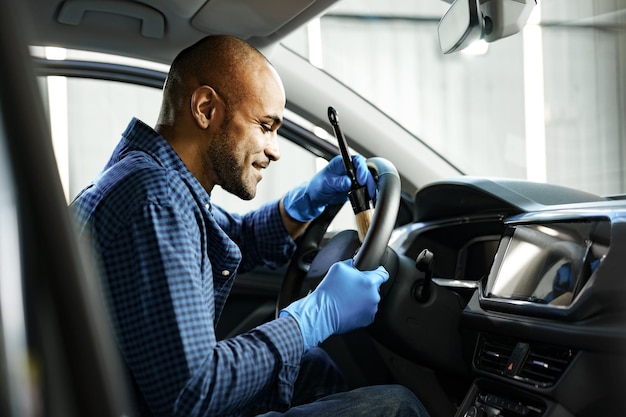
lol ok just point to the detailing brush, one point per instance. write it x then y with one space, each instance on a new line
359 198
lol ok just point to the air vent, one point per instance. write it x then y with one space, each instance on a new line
544 365
532 363
493 353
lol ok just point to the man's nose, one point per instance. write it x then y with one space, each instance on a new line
272 150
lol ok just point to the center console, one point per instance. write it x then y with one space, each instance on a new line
489 399
538 321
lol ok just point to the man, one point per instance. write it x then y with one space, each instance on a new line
168 256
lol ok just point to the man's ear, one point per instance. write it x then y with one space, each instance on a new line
205 104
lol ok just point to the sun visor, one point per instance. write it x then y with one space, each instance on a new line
253 18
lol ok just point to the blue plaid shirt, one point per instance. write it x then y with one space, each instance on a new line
168 259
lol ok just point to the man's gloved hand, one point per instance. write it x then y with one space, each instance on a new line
329 186
345 300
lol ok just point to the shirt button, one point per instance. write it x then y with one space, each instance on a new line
206 206
225 273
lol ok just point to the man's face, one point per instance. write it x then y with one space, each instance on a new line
247 139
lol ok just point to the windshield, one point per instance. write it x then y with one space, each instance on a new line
545 104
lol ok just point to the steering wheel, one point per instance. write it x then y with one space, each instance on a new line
312 260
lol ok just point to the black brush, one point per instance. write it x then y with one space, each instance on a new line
358 195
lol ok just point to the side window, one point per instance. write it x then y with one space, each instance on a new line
87 118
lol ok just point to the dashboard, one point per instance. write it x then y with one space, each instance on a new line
538 272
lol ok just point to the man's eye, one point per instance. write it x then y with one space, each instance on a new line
266 127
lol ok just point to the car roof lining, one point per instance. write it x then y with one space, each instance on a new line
156 30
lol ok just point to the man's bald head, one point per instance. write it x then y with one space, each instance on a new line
221 61
223 103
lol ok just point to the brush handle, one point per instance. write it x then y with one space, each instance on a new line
333 117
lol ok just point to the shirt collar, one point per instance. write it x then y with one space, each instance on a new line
141 137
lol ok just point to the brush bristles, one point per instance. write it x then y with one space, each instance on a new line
363 220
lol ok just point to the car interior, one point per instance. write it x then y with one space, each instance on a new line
502 223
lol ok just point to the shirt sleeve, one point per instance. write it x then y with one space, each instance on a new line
160 288
260 234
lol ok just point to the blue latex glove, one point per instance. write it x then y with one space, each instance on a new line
329 186
345 300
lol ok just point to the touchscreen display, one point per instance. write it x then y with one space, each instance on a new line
547 263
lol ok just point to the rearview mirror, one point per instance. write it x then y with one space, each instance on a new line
467 21
460 26
502 18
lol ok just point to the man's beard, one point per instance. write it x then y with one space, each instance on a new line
229 173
